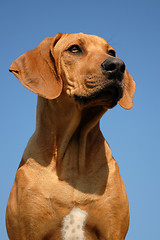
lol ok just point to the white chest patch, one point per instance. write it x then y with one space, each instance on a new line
73 225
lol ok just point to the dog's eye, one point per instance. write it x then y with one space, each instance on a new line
112 53
75 49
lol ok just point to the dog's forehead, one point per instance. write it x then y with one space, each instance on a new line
89 41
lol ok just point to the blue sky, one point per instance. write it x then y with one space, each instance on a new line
133 29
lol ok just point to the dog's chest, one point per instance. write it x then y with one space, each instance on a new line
44 201
47 199
45 188
76 189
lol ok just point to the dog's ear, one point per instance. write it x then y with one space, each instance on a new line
127 100
36 69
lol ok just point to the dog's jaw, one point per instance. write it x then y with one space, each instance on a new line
107 97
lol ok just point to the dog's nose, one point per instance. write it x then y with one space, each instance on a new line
114 67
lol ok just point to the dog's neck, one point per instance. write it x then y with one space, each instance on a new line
61 128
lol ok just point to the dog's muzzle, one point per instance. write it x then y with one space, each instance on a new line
114 69
111 90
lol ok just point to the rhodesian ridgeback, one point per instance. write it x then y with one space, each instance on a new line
68 185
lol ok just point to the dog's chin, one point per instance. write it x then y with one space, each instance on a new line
107 97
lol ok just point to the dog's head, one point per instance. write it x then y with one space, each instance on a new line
84 67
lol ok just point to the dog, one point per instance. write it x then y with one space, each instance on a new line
68 185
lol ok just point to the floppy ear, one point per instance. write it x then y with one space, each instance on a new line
127 100
36 70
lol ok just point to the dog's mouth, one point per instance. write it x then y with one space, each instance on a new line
114 93
108 97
